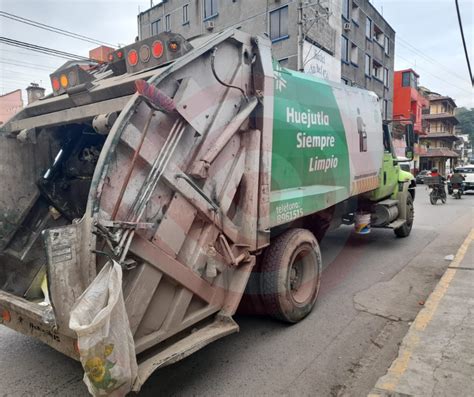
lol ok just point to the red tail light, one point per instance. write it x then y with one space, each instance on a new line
132 57
157 49
6 316
55 83
120 54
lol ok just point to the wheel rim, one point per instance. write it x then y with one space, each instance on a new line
302 276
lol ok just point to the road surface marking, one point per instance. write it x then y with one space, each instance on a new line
400 365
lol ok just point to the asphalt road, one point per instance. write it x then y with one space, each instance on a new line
372 288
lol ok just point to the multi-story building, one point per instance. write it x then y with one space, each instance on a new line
345 40
277 18
440 140
408 105
408 102
368 51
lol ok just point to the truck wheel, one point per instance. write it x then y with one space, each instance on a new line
405 230
291 275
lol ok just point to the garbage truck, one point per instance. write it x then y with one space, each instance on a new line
187 166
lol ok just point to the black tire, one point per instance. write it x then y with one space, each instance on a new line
291 275
405 230
433 198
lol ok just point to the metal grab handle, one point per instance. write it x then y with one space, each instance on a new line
214 206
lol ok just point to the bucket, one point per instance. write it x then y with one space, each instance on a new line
362 223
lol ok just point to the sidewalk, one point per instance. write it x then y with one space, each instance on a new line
436 357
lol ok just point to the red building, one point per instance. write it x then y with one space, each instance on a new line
408 102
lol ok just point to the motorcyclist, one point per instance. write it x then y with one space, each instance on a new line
440 186
456 180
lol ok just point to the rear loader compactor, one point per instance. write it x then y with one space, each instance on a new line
191 165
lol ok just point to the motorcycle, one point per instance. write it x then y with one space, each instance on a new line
438 192
457 190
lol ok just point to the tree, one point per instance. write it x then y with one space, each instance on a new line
466 121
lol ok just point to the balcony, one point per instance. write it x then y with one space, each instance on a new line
441 116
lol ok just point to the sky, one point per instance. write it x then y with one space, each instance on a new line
427 38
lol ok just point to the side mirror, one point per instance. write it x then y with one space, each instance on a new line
411 139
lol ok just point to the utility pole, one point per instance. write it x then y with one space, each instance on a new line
300 36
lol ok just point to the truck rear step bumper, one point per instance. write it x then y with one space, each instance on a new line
31 319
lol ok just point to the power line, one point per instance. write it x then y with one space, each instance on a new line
18 74
53 29
44 50
13 62
464 42
436 77
16 51
417 51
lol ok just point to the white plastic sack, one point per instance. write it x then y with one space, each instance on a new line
106 346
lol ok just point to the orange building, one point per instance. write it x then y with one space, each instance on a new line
101 53
408 102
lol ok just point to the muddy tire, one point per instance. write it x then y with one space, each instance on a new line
291 275
405 230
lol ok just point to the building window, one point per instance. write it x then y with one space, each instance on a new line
377 70
210 9
344 49
156 27
409 80
367 65
406 79
385 77
386 45
354 54
345 9
378 35
355 13
167 23
185 14
368 28
279 24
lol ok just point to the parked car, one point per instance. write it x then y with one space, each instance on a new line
421 175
